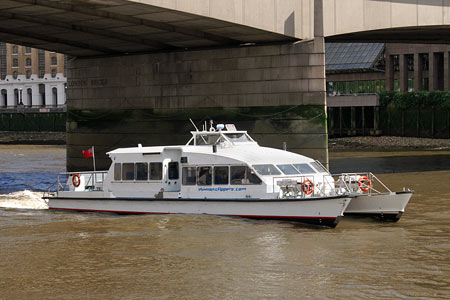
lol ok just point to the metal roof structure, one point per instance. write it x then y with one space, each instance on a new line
352 57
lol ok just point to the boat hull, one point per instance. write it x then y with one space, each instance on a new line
324 211
388 207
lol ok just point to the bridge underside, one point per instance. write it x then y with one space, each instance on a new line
139 72
414 35
97 28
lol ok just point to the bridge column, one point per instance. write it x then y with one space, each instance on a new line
276 92
433 72
389 73
446 71
418 72
403 73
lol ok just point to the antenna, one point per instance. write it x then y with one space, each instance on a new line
193 124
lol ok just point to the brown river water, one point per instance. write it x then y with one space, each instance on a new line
57 255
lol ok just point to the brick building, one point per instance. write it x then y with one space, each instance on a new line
31 77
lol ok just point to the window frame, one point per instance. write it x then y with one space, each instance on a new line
119 169
124 169
228 175
136 171
152 170
244 180
184 176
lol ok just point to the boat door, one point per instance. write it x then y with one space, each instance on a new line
172 178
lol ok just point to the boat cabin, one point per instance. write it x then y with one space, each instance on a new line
213 164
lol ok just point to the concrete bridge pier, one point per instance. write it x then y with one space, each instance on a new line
276 92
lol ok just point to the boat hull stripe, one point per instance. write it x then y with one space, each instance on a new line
165 213
200 199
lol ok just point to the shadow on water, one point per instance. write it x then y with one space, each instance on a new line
390 164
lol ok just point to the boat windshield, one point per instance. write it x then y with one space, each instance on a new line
318 166
238 137
266 169
304 169
288 169
208 139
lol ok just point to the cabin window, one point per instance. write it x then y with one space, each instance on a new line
318 166
238 137
266 169
117 171
128 171
204 176
141 171
220 175
304 169
173 170
155 171
243 175
207 139
189 175
288 169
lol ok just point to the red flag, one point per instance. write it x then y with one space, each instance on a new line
88 153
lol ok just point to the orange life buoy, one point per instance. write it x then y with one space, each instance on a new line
364 183
307 187
76 180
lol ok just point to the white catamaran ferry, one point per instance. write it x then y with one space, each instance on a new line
220 171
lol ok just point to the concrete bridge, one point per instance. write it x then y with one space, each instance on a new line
141 69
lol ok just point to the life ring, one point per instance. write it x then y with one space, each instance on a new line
364 183
307 187
76 180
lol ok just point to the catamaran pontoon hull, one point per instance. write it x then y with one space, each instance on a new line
324 211
385 206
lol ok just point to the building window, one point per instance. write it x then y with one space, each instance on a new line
53 73
396 59
15 62
15 74
27 50
41 63
410 61
28 62
28 74
2 61
54 61
355 87
15 49
65 65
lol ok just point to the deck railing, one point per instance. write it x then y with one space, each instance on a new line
360 183
93 181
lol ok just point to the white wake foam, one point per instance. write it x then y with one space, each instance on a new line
23 199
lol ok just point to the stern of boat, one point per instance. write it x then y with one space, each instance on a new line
371 197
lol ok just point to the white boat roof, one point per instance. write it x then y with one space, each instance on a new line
251 154
248 152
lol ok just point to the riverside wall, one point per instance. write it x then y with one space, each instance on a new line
276 92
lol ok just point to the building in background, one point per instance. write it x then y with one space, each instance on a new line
31 77
362 68
356 73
